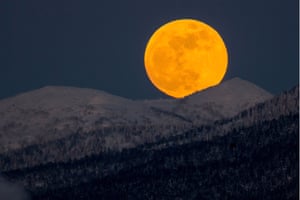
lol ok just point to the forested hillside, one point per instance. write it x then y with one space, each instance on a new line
253 155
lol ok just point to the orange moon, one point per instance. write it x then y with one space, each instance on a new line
185 56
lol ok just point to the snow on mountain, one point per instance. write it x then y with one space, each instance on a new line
222 101
51 113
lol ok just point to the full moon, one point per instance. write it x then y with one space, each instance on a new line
185 56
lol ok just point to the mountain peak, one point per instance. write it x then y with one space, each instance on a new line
57 96
232 91
222 101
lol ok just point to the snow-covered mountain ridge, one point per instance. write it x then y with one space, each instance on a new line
51 112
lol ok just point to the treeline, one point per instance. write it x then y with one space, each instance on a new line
258 162
82 144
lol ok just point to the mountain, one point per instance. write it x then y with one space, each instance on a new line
247 148
53 113
223 101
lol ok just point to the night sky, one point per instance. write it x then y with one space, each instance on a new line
100 44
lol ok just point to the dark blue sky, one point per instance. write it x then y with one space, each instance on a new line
100 44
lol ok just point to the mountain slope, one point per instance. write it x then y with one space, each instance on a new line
260 165
223 101
257 161
53 113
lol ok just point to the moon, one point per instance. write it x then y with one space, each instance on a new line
185 56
